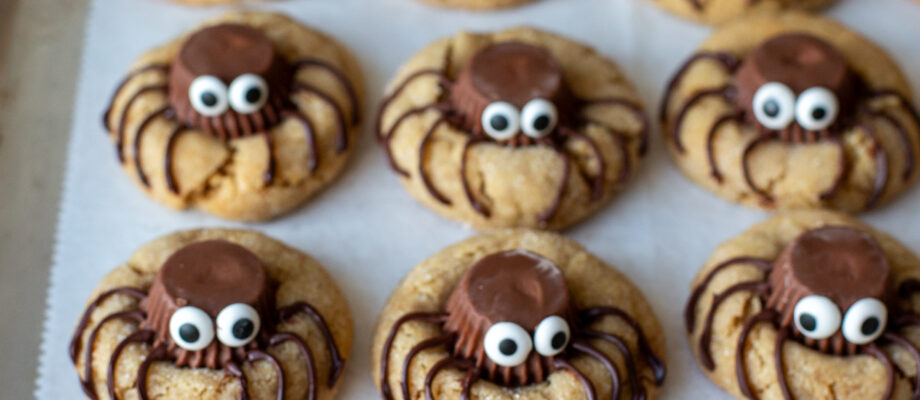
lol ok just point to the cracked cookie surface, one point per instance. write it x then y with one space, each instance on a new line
508 183
226 177
299 278
721 11
789 172
591 283
809 373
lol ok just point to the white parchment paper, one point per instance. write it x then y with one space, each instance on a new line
365 229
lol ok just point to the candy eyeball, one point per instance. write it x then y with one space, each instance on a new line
774 105
237 325
539 118
208 96
507 344
816 317
248 93
501 120
551 336
865 321
816 109
191 328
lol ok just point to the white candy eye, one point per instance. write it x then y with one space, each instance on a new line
237 325
501 120
816 108
538 118
865 321
551 336
816 317
774 105
248 93
507 344
191 328
208 95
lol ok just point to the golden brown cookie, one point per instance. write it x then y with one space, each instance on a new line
517 314
810 303
203 313
793 111
520 128
245 117
478 4
721 11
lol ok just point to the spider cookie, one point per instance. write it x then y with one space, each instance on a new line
520 128
793 111
808 305
477 4
720 11
245 117
517 314
214 314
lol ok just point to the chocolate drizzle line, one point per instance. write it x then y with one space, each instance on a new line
468 317
489 77
178 283
108 111
280 338
119 142
813 263
196 56
828 68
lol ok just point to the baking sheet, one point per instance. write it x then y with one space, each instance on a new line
365 229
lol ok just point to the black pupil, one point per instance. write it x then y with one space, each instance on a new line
507 347
558 340
253 95
541 123
209 99
808 322
771 108
870 326
499 122
189 333
243 328
818 113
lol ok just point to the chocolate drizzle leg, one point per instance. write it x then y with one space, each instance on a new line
830 267
764 87
522 76
229 81
185 295
509 291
